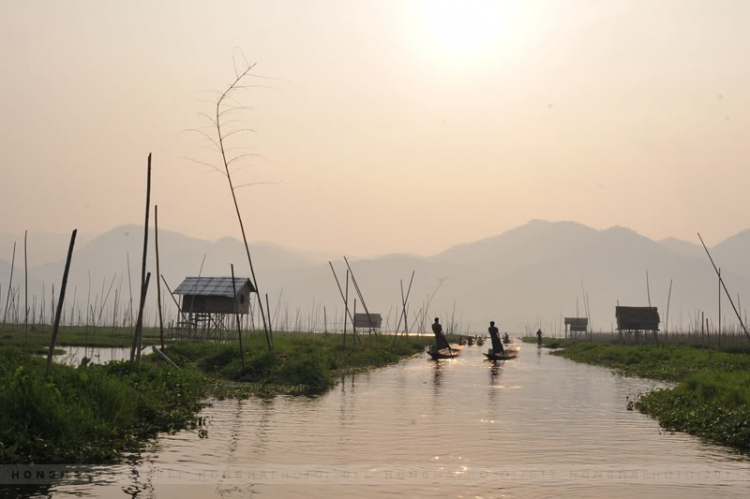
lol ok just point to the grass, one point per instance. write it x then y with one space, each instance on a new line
549 342
94 413
39 336
90 413
711 400
306 363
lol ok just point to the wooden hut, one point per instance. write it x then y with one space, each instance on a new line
208 300
634 320
361 321
575 325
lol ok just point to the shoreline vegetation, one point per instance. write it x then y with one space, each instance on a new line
712 396
93 413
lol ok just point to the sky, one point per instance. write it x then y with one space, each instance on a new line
378 126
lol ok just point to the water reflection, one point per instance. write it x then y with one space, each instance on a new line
537 412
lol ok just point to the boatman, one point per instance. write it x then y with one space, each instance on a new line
497 345
440 341
539 337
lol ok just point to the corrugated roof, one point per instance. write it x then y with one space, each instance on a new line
212 286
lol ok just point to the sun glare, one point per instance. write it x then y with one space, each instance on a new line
459 31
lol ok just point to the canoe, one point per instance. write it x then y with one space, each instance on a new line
508 353
445 353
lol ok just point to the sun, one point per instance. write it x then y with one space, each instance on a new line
458 31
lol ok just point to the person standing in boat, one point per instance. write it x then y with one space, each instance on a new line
497 345
539 337
441 341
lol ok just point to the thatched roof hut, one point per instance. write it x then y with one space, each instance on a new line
637 318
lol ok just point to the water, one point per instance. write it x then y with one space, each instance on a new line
96 355
536 426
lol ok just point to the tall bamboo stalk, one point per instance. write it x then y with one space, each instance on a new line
135 352
158 273
56 325
237 318
10 283
25 289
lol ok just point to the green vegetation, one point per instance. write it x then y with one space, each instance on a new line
712 399
93 413
303 363
39 336
549 342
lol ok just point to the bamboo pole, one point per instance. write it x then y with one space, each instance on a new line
725 287
10 283
56 325
135 350
158 273
341 292
237 318
164 356
361 298
270 327
346 306
26 289
139 328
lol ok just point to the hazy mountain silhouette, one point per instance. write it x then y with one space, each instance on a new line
531 274
683 248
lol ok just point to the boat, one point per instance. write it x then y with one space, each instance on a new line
480 341
471 341
508 353
445 353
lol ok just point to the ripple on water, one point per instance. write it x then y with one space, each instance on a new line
535 414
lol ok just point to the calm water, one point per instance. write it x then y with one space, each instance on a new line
536 426
97 355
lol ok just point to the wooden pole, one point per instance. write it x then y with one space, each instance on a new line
10 283
719 305
361 298
237 318
341 292
669 298
346 306
139 329
158 273
26 288
135 350
747 333
270 327
60 302
164 356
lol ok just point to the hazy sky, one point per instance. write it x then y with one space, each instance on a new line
390 126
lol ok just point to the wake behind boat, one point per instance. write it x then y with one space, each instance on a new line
444 353
505 354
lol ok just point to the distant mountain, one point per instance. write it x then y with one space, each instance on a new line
734 253
42 247
684 248
534 274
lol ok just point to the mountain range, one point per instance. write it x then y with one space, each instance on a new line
531 275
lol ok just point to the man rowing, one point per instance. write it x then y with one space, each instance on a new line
497 345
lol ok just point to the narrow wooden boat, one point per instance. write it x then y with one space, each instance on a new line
471 341
480 341
508 353
445 353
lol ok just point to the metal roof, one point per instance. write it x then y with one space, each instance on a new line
212 286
